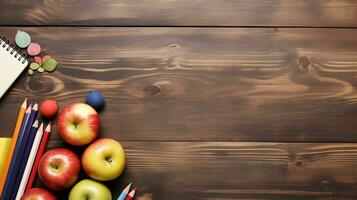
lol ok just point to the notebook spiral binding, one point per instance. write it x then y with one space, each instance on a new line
8 46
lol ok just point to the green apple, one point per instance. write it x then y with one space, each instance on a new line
90 190
104 159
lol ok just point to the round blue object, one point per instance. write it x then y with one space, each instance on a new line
95 99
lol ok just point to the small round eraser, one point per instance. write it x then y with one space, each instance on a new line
95 99
48 108
34 49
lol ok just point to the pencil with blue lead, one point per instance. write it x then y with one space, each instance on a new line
25 157
30 162
124 193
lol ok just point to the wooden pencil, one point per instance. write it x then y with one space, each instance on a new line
18 143
39 154
15 135
30 162
25 156
17 158
124 192
131 195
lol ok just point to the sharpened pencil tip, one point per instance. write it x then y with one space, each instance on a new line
35 107
48 127
29 109
40 129
35 124
132 193
127 188
24 104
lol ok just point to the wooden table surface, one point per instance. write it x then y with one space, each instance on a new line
212 99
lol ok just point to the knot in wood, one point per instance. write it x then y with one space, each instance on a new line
304 62
153 90
299 163
325 183
35 85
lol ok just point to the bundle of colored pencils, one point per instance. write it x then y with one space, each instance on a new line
126 195
27 146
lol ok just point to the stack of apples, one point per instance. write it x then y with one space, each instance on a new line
102 160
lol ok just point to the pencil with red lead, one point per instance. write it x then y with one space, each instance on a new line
124 192
40 152
131 195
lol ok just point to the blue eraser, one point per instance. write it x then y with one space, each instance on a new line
95 99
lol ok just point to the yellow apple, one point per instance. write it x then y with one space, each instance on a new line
104 159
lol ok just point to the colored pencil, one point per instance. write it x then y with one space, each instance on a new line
25 156
30 162
15 135
41 150
18 155
131 195
11 172
124 192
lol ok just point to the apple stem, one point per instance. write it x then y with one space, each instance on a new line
87 197
54 165
108 159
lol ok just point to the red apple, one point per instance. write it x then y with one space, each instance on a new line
38 194
59 168
78 124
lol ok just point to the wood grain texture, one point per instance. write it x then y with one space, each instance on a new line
188 84
238 170
317 13
206 113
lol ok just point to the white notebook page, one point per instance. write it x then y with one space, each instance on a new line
10 67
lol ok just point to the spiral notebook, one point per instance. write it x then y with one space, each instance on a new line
12 63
